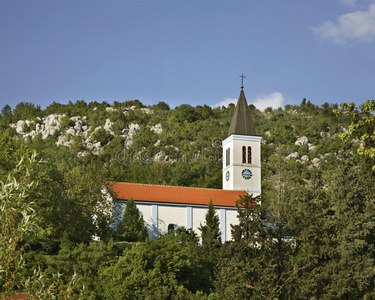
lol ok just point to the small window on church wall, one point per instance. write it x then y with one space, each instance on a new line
244 155
249 155
228 157
171 227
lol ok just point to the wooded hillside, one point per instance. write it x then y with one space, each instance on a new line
312 237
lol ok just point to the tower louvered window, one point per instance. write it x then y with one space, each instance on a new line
227 157
246 155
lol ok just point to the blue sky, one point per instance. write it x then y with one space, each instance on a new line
187 51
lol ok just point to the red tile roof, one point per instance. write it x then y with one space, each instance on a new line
175 194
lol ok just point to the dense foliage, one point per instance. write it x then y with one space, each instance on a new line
311 236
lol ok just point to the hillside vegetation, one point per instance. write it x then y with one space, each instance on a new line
312 237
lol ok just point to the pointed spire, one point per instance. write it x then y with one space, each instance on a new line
242 124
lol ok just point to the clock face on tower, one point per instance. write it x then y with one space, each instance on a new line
246 174
227 175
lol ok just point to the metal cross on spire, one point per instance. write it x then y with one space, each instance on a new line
242 77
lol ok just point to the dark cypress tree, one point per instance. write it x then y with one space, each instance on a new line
250 230
132 226
210 232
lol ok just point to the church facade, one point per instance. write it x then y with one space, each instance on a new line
166 207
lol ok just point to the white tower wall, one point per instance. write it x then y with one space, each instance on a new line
235 168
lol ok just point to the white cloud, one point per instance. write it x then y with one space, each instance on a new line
356 26
226 102
274 100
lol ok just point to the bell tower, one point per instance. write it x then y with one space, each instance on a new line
241 152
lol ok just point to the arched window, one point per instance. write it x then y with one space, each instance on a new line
249 155
244 155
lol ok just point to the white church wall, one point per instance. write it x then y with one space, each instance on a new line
199 215
231 218
170 215
158 216
145 210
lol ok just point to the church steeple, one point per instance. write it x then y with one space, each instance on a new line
241 152
242 124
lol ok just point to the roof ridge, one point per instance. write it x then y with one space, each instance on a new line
176 186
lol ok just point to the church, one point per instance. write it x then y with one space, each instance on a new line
166 207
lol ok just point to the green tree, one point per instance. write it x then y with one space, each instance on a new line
169 267
352 194
185 113
26 111
210 232
87 212
6 112
250 231
132 226
102 136
17 222
337 235
362 126
241 270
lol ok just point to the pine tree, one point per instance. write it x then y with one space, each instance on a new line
249 231
132 226
211 235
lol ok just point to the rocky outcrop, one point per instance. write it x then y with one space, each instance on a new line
46 127
293 155
302 141
156 128
50 126
133 129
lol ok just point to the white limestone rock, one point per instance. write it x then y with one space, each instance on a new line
305 158
62 140
78 126
315 163
89 145
293 155
158 143
97 148
75 118
156 128
107 126
50 126
146 110
19 126
71 131
160 156
52 120
311 147
128 142
324 134
82 153
301 141
133 128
